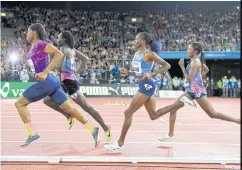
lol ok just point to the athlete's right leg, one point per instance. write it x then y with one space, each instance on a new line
179 103
150 106
34 93
21 105
172 121
60 98
208 108
136 103
80 99
50 103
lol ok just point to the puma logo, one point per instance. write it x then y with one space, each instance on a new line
112 89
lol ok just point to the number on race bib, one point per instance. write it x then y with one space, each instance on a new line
136 66
148 87
197 94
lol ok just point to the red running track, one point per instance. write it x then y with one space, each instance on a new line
196 134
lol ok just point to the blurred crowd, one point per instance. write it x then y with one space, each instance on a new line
107 40
223 87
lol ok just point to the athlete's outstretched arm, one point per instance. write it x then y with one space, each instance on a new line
83 58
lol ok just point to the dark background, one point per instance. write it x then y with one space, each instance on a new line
130 5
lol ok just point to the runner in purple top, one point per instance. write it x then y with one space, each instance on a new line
46 84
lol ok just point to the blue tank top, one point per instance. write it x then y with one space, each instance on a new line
139 66
69 67
196 85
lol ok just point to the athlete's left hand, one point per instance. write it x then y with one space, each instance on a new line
181 62
147 76
41 76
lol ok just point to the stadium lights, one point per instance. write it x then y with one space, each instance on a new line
13 57
238 7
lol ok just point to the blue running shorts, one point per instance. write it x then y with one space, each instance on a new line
48 87
147 87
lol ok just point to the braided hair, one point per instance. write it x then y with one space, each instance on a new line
200 50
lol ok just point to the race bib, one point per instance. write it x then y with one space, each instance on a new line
136 67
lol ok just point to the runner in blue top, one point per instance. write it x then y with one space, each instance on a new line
195 90
46 83
142 68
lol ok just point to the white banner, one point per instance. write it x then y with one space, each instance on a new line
111 90
170 94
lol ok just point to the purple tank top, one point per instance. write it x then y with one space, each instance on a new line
38 60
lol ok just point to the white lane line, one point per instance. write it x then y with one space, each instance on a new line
123 159
138 142
132 131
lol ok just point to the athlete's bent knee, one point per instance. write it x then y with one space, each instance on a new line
46 101
213 115
127 114
152 115
172 117
152 118
19 104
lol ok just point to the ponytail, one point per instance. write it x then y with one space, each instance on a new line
200 50
202 58
43 36
154 46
